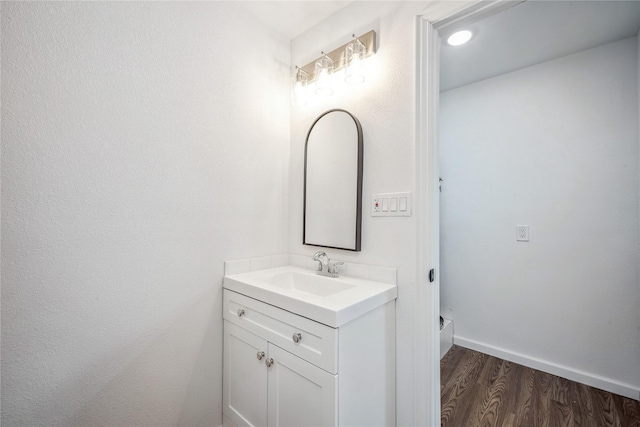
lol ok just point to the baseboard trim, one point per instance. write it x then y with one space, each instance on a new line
597 381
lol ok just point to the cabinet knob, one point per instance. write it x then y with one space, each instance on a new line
240 312
297 337
260 355
268 362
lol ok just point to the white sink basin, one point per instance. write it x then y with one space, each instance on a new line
328 300
313 285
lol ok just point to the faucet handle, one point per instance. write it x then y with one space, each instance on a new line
333 267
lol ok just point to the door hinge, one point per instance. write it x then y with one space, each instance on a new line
432 275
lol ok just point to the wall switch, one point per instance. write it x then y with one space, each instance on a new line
403 204
391 204
522 233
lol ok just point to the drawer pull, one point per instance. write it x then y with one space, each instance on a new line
297 337
268 362
260 355
240 312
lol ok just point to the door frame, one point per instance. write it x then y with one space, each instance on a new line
438 18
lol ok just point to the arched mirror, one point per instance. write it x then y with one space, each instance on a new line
333 158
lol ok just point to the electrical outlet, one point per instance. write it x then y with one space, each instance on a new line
522 233
376 204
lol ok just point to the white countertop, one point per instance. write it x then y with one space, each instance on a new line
359 297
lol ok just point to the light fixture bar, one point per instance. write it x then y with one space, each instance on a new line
337 55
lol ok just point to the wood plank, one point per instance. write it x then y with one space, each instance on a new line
488 412
560 414
581 404
510 420
450 363
541 399
560 390
457 395
523 383
605 413
509 371
628 410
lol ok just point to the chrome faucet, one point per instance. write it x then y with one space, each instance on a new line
325 266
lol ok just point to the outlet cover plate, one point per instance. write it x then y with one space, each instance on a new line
522 233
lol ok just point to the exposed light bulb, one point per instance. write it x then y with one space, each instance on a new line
355 74
323 69
323 85
355 52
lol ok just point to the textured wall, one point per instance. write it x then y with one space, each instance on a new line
140 149
554 146
385 106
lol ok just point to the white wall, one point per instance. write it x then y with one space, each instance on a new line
385 106
555 147
140 149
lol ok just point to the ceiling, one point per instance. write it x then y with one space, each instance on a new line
534 32
291 18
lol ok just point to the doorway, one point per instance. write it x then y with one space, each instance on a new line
596 158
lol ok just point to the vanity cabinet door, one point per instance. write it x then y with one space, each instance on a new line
300 394
245 377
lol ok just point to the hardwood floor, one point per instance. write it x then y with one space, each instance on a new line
482 390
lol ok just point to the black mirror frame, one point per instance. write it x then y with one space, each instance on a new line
358 236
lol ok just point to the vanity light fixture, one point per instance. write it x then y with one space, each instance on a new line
324 67
354 56
349 56
460 37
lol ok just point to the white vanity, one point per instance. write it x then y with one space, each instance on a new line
305 350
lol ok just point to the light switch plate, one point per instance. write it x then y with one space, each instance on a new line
391 204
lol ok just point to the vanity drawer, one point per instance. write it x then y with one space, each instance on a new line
318 343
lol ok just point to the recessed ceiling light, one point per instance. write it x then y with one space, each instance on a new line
461 37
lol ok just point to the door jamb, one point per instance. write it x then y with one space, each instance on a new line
439 17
